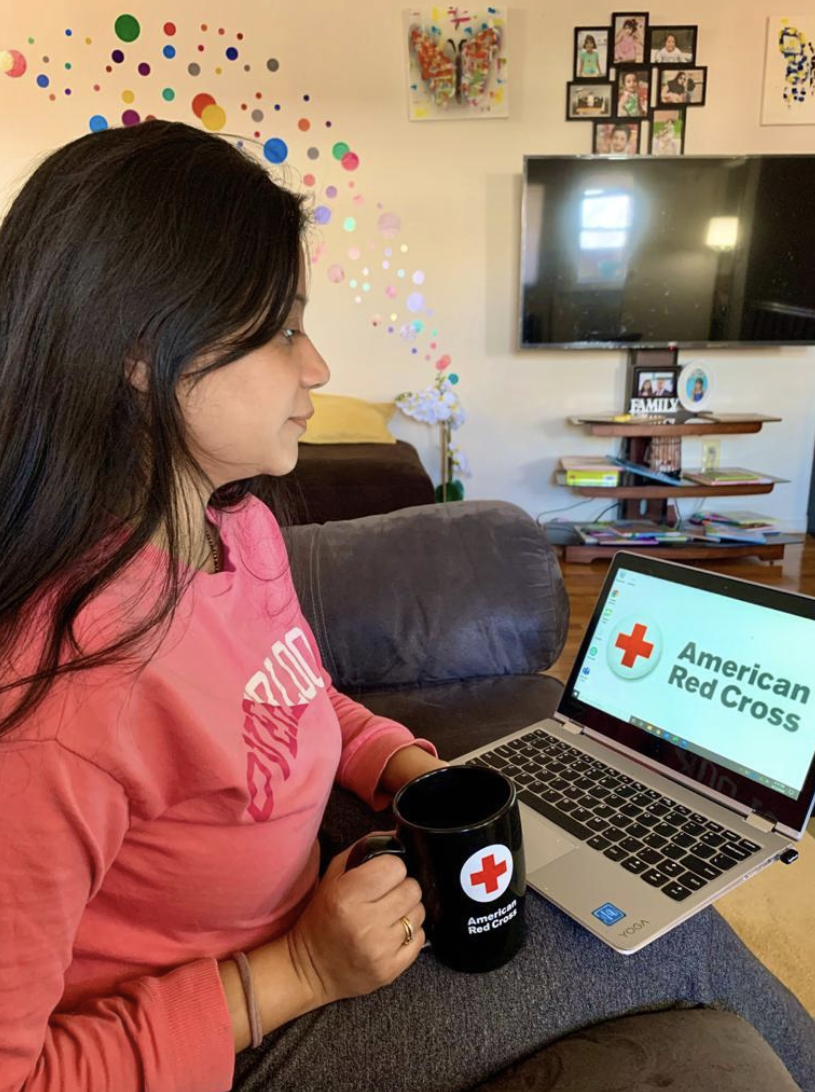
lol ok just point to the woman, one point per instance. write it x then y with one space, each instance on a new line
169 735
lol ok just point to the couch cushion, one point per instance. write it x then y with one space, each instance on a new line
462 715
430 594
684 1050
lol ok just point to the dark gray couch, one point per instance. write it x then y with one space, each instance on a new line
444 617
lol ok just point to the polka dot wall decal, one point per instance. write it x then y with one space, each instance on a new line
232 54
272 64
336 274
127 28
376 320
275 150
306 98
386 264
418 277
304 125
452 377
389 225
257 115
349 223
359 199
353 253
391 291
200 103
309 179
169 52
403 248
415 302
128 96
130 117
168 94
400 272
117 56
352 284
194 69
169 29
313 153
13 63
339 149
144 69
68 33
42 81
218 71
213 118
350 161
97 123
331 191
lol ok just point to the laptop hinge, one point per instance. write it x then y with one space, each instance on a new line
570 726
766 826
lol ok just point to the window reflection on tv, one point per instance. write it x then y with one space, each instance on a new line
648 252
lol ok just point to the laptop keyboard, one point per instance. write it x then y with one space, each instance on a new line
666 844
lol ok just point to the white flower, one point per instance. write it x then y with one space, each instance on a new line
436 404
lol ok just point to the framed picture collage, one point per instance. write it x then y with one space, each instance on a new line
630 74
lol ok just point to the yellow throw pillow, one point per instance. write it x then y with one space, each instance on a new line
339 419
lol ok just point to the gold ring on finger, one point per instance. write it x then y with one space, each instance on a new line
408 931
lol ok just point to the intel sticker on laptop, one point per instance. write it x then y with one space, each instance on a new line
608 913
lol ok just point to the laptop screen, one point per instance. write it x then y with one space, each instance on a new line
711 676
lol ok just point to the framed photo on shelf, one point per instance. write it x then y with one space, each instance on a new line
695 387
672 44
587 101
629 31
667 132
632 97
591 53
653 382
617 138
682 85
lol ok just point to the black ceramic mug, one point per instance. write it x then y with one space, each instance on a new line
458 830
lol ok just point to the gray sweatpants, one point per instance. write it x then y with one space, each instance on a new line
435 1030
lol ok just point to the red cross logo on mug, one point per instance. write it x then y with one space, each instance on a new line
487 873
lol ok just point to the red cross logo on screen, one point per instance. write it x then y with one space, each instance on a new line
487 873
633 645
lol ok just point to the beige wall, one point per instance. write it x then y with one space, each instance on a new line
456 187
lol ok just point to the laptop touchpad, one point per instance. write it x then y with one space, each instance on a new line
542 843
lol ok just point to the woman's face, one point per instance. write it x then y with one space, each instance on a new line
247 418
670 42
630 81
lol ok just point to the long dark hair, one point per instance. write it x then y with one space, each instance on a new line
155 243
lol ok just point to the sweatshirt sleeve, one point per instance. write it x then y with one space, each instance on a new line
368 743
63 820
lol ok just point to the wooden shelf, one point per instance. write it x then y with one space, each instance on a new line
666 492
722 425
585 554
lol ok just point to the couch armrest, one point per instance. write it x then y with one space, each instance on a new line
429 594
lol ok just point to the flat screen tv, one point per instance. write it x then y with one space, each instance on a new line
650 252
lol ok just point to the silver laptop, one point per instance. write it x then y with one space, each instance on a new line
681 759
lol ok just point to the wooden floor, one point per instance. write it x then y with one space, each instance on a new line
583 582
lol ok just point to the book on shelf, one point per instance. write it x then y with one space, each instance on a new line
647 472
739 519
624 532
582 470
730 475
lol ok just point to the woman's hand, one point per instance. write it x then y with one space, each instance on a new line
350 939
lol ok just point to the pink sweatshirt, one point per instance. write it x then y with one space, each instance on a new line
164 820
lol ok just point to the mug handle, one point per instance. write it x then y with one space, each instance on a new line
374 845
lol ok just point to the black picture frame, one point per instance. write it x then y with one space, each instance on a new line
618 19
593 87
664 70
616 123
655 120
653 366
595 31
657 34
620 72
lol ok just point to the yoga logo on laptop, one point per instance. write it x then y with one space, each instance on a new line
634 647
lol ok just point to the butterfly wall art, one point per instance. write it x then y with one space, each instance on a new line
457 63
